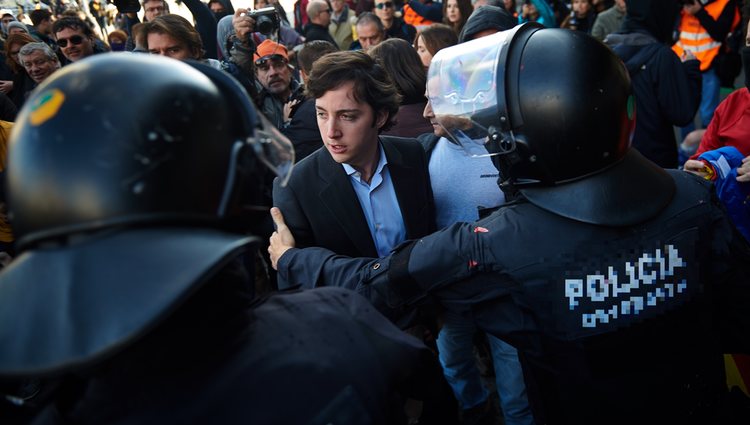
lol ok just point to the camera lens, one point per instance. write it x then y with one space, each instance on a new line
264 25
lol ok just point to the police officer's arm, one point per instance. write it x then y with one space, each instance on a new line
405 277
729 274
719 28
309 267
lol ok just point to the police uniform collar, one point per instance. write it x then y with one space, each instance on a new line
72 305
631 191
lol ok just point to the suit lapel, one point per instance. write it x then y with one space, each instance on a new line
339 198
407 189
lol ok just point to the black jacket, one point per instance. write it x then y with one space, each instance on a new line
318 32
321 208
303 131
667 93
612 324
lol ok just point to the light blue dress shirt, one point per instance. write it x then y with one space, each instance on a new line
380 205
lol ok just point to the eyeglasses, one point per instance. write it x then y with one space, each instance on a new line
155 9
386 5
276 61
75 40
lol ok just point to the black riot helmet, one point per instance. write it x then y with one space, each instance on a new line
553 109
125 139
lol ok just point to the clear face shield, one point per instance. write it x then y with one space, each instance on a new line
462 87
273 149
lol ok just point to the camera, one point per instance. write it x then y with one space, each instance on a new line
266 20
127 6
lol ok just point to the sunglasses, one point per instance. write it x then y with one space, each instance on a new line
76 40
386 5
276 61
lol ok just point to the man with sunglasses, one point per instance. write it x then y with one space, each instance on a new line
394 26
277 85
319 14
75 38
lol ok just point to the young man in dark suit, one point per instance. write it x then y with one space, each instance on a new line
363 194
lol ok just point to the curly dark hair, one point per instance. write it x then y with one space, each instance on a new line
72 23
372 84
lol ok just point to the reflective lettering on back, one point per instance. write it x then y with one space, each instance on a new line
625 291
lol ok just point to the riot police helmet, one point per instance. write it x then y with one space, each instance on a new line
120 140
553 108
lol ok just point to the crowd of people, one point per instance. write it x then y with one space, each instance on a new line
474 180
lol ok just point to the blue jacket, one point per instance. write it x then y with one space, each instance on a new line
733 194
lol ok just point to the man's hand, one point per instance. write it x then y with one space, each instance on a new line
687 56
281 240
6 86
743 173
692 8
696 167
243 24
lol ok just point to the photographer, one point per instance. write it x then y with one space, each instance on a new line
266 60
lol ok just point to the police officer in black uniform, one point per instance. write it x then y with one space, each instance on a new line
620 283
132 300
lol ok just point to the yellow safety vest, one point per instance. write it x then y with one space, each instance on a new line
694 38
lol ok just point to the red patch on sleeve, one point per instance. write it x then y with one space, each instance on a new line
480 230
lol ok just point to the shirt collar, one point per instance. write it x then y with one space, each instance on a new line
382 162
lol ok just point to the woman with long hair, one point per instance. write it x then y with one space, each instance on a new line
432 39
456 12
22 82
402 63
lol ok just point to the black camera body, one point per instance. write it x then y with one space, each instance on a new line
128 6
267 20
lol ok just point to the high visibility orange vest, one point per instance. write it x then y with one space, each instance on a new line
415 19
694 38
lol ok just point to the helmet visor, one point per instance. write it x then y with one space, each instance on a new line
273 149
462 89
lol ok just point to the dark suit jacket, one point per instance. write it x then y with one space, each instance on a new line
321 208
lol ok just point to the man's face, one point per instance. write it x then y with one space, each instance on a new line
384 10
6 20
154 8
74 44
337 5
165 45
39 66
349 129
45 27
621 5
217 7
274 75
581 7
429 115
369 35
324 18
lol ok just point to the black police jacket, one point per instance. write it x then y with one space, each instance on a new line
159 326
613 324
